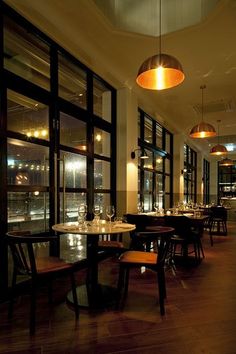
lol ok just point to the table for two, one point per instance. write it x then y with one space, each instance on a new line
92 294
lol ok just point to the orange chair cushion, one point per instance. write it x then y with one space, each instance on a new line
51 264
138 257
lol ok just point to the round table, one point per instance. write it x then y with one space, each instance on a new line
92 294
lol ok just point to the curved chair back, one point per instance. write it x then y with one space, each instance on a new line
180 223
219 212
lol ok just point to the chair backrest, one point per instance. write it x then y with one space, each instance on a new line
219 212
21 246
141 221
181 224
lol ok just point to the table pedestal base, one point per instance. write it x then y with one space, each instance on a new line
104 297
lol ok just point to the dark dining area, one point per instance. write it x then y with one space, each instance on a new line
118 176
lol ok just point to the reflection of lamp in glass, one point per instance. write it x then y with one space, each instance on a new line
226 162
143 155
98 137
161 71
203 129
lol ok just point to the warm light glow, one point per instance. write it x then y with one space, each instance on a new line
160 72
36 133
36 193
44 132
98 137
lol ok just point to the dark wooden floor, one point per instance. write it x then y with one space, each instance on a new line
200 313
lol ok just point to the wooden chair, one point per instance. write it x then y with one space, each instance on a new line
185 236
217 222
21 244
152 260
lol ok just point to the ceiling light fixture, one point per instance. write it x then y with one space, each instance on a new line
161 71
143 155
203 129
218 149
226 162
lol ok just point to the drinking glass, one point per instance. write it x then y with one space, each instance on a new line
97 210
110 212
82 212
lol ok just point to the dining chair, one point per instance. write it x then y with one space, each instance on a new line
217 222
185 235
36 269
152 260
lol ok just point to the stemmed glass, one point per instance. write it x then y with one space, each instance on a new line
156 207
110 212
82 212
97 210
140 207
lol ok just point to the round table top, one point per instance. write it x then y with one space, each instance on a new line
90 228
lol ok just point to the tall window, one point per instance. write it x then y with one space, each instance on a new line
58 133
190 174
206 181
155 173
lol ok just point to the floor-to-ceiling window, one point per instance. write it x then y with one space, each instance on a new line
58 138
190 174
206 181
155 172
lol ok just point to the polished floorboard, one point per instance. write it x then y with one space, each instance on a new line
200 312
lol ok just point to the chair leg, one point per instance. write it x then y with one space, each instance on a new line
11 302
162 290
74 293
120 286
32 308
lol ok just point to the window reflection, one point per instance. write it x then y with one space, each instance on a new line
101 100
72 202
72 82
27 164
28 211
101 142
26 55
27 116
101 174
148 130
75 170
72 132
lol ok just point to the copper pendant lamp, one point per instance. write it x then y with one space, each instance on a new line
161 71
218 150
226 162
203 129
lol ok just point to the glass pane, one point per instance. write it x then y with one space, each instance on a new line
148 130
167 184
147 205
167 166
159 163
148 181
75 170
168 147
159 200
159 142
72 82
147 163
72 202
101 100
72 132
102 199
102 171
26 55
27 116
27 164
28 211
159 183
102 144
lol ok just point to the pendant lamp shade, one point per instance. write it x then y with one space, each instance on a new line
218 150
203 129
161 71
226 162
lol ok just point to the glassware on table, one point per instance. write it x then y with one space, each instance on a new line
97 211
156 207
140 207
110 212
82 212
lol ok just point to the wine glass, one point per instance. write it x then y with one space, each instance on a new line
156 207
82 212
110 212
97 210
140 207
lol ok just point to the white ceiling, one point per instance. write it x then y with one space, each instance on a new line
200 33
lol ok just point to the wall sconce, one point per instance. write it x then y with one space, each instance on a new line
143 155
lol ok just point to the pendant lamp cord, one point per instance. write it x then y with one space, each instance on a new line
160 28
202 88
218 121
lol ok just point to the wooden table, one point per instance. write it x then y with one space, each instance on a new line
92 294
